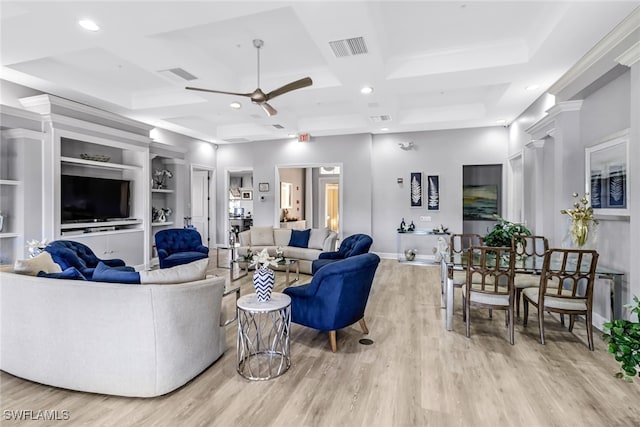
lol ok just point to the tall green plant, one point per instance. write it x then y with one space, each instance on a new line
503 231
623 337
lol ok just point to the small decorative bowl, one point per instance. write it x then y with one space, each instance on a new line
95 157
410 254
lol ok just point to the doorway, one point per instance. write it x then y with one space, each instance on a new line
202 201
329 191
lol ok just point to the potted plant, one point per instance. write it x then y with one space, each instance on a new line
623 337
503 231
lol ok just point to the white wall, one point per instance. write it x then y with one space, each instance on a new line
440 153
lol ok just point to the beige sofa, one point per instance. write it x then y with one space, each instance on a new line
258 238
110 338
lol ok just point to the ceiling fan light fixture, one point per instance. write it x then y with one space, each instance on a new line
89 25
366 90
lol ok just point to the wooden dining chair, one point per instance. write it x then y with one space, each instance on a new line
489 283
566 287
458 243
529 252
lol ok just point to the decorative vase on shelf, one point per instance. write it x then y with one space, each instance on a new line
263 280
581 233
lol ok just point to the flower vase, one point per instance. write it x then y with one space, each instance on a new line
263 280
581 234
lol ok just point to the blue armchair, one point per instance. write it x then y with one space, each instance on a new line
336 297
68 253
356 244
179 246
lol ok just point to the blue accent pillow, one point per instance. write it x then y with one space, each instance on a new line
70 273
300 238
104 273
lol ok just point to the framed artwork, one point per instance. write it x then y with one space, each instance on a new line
606 181
479 202
246 195
263 187
416 189
433 193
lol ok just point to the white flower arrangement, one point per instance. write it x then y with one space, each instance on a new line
263 259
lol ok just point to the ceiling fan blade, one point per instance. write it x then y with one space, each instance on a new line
298 84
268 109
219 91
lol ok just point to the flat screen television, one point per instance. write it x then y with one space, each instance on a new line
87 199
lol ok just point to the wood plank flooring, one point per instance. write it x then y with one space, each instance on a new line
415 374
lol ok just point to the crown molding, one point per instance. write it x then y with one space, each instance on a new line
535 143
623 30
630 56
546 126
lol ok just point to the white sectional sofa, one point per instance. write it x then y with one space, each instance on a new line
258 238
111 338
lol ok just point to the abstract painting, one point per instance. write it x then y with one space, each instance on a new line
480 202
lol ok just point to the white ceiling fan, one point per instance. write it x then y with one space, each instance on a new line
258 96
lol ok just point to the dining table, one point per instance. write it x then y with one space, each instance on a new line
524 264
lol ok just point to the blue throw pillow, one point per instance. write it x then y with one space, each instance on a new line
104 273
300 238
70 273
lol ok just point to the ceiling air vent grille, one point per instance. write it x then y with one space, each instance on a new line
381 118
349 47
278 126
178 74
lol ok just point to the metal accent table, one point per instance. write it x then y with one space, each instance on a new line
263 347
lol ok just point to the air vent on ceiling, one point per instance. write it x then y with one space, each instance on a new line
178 74
382 118
278 126
236 140
349 47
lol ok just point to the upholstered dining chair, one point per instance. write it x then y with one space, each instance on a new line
458 243
178 246
336 297
489 283
529 252
566 287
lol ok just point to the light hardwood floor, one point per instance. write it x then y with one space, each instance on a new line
415 374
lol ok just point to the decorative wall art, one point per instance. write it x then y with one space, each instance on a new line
247 195
433 193
606 166
416 189
479 202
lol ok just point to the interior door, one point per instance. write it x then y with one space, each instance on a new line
200 203
329 203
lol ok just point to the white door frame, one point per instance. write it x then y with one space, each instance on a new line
227 179
212 196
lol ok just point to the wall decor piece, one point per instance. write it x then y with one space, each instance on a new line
433 193
479 202
263 187
606 166
247 195
416 189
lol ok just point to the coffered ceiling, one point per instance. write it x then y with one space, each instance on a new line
432 65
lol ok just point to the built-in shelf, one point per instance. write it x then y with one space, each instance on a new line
71 226
160 224
8 235
159 190
9 182
94 164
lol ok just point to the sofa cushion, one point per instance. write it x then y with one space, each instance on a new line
262 236
32 266
70 273
282 236
179 274
299 238
317 238
300 253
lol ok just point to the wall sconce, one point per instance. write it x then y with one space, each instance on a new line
400 180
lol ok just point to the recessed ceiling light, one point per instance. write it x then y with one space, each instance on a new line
501 121
88 25
292 135
235 105
366 90
532 87
384 129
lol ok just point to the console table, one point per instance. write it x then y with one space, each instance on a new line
422 240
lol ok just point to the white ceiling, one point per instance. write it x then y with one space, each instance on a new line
433 65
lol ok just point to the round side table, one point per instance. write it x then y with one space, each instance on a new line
263 336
